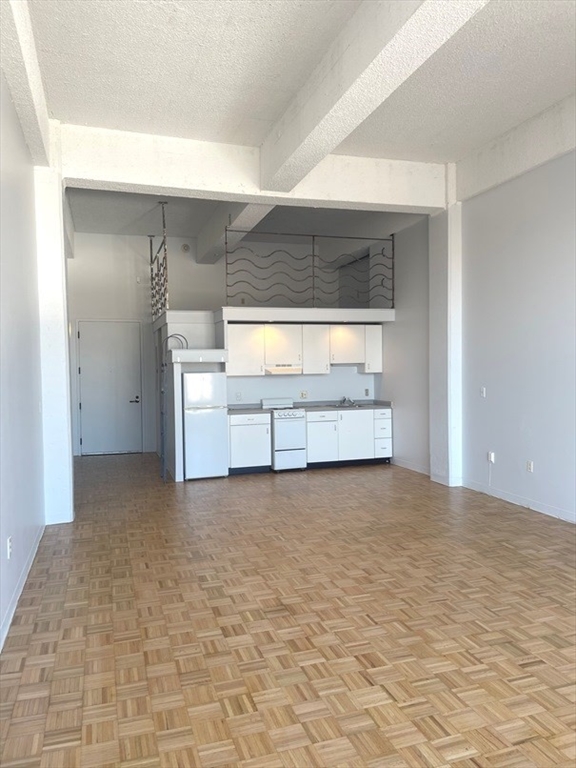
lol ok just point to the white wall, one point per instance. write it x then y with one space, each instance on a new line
21 462
519 339
342 381
405 378
194 286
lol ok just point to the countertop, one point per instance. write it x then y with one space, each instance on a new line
313 405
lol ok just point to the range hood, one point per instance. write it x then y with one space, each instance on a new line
282 370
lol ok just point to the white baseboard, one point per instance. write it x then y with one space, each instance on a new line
536 506
451 482
411 465
7 620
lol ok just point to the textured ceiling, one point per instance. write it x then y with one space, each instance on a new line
201 69
121 213
225 70
514 59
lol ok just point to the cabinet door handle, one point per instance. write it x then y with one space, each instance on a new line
367 366
335 426
267 430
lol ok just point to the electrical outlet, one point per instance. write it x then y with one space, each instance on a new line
238 397
9 547
529 466
367 392
491 457
303 394
482 391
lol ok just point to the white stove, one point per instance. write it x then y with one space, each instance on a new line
288 435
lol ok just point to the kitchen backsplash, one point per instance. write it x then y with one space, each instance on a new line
342 381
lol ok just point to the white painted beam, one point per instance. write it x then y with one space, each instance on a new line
211 243
22 72
96 158
382 45
536 141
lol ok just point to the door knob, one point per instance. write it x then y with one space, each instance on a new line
137 399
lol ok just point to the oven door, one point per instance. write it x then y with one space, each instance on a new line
289 434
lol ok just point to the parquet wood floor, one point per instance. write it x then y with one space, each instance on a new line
342 618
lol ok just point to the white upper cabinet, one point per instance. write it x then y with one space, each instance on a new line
347 344
373 348
245 350
283 344
315 349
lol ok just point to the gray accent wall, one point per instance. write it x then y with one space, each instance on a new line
405 348
21 457
519 339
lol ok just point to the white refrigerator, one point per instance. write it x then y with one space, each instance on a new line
205 425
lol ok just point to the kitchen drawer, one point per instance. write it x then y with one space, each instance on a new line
321 416
238 419
383 448
383 428
383 413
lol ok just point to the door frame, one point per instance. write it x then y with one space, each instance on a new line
76 379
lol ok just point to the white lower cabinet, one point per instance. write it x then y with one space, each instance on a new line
383 433
321 436
383 448
250 440
355 434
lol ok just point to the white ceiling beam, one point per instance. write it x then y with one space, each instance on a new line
382 45
96 158
550 134
211 241
22 72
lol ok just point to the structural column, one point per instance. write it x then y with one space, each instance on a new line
445 244
54 347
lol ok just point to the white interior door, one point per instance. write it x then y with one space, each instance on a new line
110 387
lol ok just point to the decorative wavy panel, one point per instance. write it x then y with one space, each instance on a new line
159 283
310 272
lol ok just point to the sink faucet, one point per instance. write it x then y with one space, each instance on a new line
346 401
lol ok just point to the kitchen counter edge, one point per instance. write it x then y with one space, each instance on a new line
330 405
